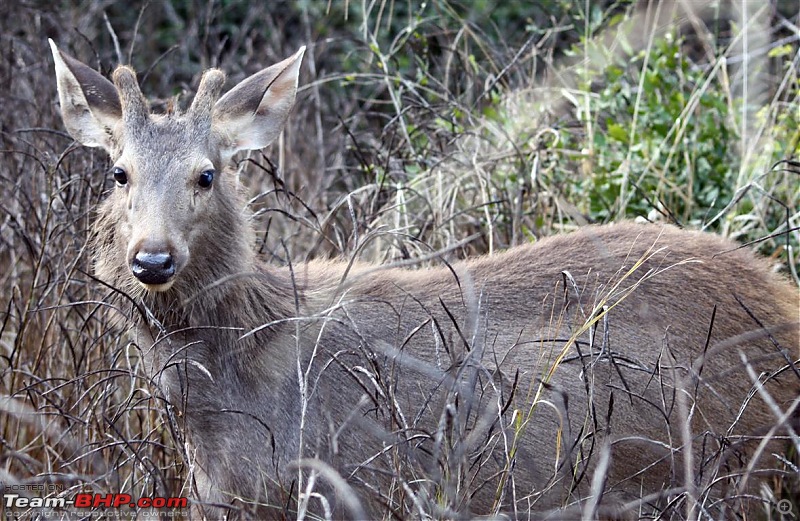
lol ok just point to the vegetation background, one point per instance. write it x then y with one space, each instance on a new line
465 126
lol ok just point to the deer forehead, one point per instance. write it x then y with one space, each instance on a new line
167 141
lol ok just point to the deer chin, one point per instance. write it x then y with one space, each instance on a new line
157 288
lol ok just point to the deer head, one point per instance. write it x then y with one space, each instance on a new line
169 168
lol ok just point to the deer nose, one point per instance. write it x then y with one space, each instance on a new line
153 268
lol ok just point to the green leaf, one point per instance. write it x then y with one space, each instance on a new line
781 50
617 132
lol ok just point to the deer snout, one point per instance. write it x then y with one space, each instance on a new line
153 268
155 263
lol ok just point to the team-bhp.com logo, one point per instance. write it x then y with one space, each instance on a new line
20 503
94 501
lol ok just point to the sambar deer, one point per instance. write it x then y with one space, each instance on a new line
566 377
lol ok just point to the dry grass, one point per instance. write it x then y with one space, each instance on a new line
485 144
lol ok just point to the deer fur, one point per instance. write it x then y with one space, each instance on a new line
569 373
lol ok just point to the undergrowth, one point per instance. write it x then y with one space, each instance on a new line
419 127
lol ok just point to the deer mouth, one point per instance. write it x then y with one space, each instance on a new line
156 288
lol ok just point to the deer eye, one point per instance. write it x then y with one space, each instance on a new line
119 176
206 178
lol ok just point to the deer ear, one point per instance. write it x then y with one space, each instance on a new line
90 105
252 114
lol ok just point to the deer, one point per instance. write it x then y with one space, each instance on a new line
603 372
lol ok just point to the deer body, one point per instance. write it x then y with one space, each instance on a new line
491 380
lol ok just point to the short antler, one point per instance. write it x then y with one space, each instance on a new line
206 97
134 105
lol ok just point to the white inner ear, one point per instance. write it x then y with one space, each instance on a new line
78 117
246 134
259 129
88 127
246 130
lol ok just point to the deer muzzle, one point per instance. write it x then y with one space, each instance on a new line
154 270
